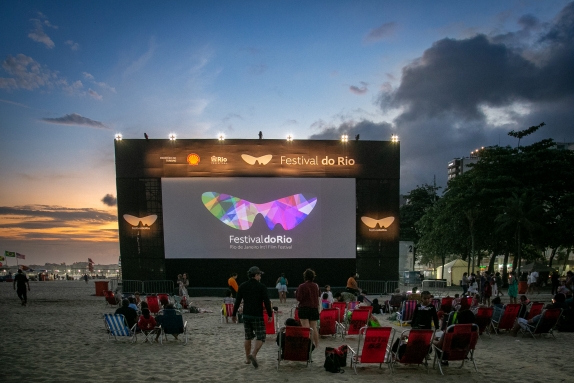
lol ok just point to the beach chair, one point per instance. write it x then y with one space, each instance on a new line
446 304
535 309
395 303
163 299
352 305
117 327
296 345
270 327
295 313
328 323
226 311
465 303
545 325
374 343
342 306
483 319
459 342
171 322
359 319
507 319
368 308
177 302
417 348
153 304
110 298
405 315
415 297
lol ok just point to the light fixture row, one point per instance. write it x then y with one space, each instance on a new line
221 137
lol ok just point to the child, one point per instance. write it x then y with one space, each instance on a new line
228 300
329 293
425 313
146 322
325 301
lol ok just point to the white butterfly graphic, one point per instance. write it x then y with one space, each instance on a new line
263 160
145 221
383 222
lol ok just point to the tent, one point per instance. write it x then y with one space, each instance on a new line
537 266
452 272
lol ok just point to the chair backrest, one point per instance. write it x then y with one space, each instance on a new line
483 318
535 309
110 297
163 299
270 327
396 300
171 322
294 312
297 345
227 309
408 310
375 341
465 303
342 306
153 304
509 316
418 345
352 305
446 304
358 320
368 308
328 321
415 297
548 321
117 324
459 340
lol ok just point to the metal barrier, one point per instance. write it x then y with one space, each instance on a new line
113 285
156 287
433 284
392 286
130 287
378 287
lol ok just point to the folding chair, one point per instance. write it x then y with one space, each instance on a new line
417 348
117 327
153 304
535 309
111 298
368 308
171 322
446 304
545 325
296 345
163 299
328 324
465 303
459 342
342 306
226 311
359 319
375 344
407 311
270 328
507 319
177 302
395 303
148 330
483 319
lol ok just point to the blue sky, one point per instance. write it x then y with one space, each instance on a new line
446 76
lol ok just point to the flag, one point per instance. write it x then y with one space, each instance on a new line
91 267
9 253
20 256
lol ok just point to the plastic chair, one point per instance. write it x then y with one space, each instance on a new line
545 325
483 319
406 313
153 304
111 298
359 319
535 309
328 324
171 322
342 306
417 348
459 342
226 311
375 344
117 327
507 319
296 345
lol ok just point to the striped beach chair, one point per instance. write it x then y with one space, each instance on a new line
116 327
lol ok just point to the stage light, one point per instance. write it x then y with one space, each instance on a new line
172 137
118 137
344 138
221 137
289 138
394 138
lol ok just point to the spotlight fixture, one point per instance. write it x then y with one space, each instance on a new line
394 138
289 138
344 138
221 137
118 137
172 137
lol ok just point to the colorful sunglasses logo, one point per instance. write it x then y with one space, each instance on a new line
145 221
240 214
263 160
383 223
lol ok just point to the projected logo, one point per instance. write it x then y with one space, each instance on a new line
145 222
263 160
240 214
378 224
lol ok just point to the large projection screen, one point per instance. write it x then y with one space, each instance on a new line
219 218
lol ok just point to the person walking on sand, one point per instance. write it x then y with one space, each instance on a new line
253 294
282 288
21 281
308 294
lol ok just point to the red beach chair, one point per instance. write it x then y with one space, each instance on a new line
359 319
270 327
297 345
416 350
546 324
153 304
483 319
465 303
342 306
459 342
508 318
375 342
163 299
446 304
328 324
535 309
110 298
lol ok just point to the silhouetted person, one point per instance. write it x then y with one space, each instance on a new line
357 137
260 135
146 136
21 280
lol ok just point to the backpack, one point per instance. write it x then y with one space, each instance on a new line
335 358
193 310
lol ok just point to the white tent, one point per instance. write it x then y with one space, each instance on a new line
452 272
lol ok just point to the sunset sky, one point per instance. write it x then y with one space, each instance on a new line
446 76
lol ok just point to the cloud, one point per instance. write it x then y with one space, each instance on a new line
38 34
27 73
102 85
381 32
138 64
14 103
94 94
109 200
359 90
77 120
73 46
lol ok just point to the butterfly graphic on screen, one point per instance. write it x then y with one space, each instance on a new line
263 160
240 214
383 222
135 221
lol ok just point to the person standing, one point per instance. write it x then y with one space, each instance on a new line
232 283
282 288
464 283
21 281
512 287
308 294
254 295
86 278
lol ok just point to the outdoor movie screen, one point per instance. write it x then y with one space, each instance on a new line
259 218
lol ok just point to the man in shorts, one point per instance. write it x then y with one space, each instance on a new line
308 297
254 295
21 281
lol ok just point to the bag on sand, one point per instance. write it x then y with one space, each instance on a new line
193 310
335 358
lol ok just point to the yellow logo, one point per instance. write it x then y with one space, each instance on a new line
193 159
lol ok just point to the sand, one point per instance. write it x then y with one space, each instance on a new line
60 337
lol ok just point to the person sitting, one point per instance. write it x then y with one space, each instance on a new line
133 304
281 337
129 313
498 309
462 317
168 311
147 322
524 302
138 299
325 301
425 313
345 297
377 309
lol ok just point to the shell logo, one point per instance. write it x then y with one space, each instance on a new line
193 159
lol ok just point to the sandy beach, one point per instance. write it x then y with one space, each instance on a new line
60 336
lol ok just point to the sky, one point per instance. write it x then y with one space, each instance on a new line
447 77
